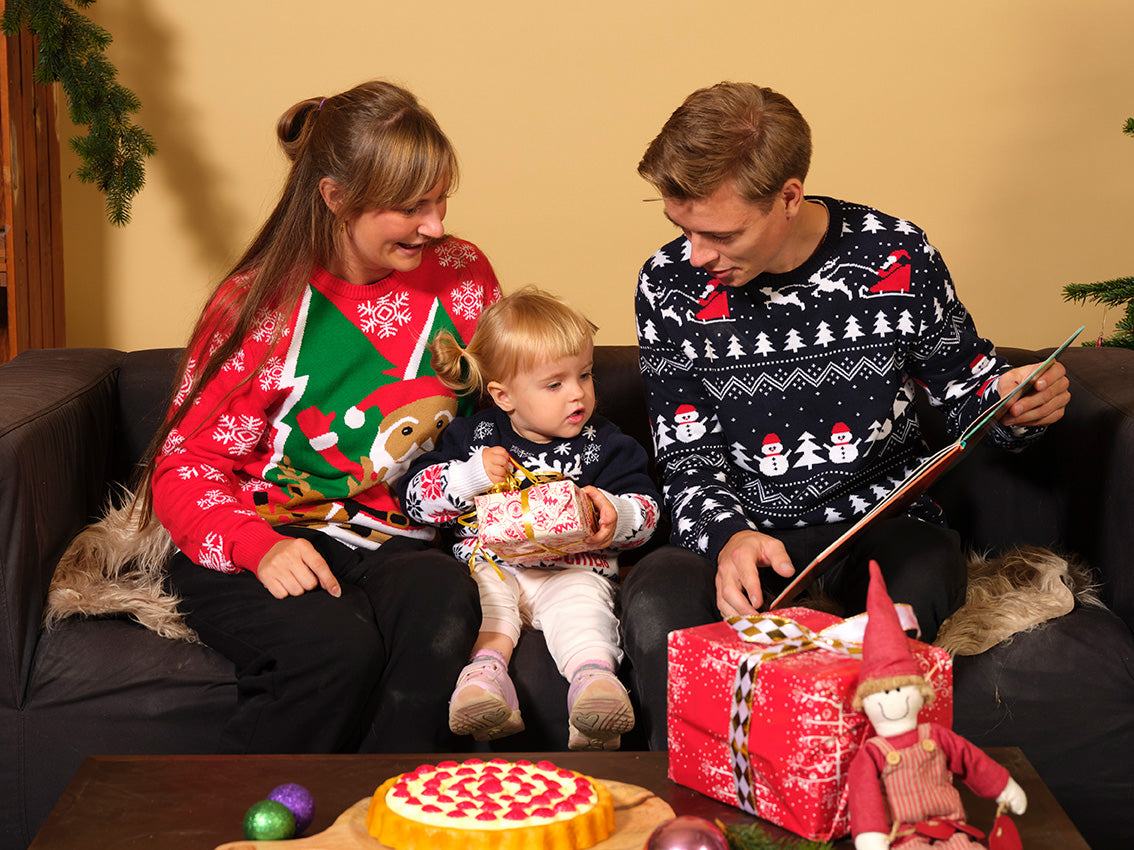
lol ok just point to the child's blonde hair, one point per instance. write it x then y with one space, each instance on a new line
516 333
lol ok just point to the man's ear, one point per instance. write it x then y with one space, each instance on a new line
792 193
499 395
332 194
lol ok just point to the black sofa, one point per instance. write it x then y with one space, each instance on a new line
74 421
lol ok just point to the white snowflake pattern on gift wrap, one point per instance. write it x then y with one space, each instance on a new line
453 254
467 299
271 375
384 316
238 434
213 498
211 554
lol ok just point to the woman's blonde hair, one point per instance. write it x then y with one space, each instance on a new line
519 331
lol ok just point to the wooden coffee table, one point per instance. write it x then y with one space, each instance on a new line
198 802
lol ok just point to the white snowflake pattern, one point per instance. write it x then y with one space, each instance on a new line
186 383
384 316
591 453
187 473
482 430
271 375
590 432
238 433
213 498
174 443
235 363
455 254
265 328
467 300
211 554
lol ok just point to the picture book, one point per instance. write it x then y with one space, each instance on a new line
917 482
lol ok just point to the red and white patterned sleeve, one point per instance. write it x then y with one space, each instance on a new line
196 479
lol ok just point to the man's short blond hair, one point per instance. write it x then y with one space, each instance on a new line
742 132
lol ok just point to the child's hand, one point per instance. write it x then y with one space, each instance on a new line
292 567
607 519
497 463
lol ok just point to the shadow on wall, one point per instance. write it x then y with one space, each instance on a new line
145 51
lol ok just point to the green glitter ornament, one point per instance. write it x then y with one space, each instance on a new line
268 820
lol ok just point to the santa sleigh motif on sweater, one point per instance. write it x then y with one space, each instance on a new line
893 277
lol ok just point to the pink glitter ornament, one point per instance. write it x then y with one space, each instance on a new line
687 833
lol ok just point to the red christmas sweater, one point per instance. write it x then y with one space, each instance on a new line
317 428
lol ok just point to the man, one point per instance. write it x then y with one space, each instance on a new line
781 336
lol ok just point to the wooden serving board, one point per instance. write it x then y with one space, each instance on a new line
637 813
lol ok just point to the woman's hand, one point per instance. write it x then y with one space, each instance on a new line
607 519
497 464
292 567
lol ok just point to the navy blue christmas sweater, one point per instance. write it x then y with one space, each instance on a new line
788 402
441 485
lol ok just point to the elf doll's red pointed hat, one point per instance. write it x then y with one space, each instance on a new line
886 658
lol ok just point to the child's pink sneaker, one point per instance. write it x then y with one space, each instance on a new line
599 709
484 702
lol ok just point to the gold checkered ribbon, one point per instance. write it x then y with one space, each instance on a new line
772 636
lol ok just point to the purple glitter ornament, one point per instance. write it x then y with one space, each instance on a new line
687 833
299 800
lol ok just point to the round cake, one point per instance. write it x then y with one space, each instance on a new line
490 805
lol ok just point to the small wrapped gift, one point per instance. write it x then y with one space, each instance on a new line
760 713
536 523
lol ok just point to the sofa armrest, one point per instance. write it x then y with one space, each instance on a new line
1071 489
56 432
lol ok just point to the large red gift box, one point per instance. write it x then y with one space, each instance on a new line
536 523
766 724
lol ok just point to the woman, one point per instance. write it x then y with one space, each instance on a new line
305 393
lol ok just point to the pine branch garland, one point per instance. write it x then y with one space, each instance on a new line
72 51
753 837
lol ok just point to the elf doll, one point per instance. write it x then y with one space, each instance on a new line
901 780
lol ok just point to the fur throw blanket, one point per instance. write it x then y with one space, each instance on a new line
117 567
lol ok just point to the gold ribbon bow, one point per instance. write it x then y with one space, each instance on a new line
519 479
774 636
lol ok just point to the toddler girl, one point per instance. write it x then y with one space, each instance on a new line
532 355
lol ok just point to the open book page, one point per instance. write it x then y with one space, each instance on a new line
917 482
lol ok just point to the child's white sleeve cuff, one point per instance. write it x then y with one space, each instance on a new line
467 478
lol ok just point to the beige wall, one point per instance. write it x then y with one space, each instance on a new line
993 125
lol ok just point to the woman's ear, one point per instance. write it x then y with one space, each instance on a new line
332 194
499 394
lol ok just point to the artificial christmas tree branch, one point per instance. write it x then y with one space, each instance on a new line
1113 293
72 52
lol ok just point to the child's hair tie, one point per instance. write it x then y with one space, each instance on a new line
319 108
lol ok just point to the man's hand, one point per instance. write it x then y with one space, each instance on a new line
607 519
1043 404
497 463
292 567
738 578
